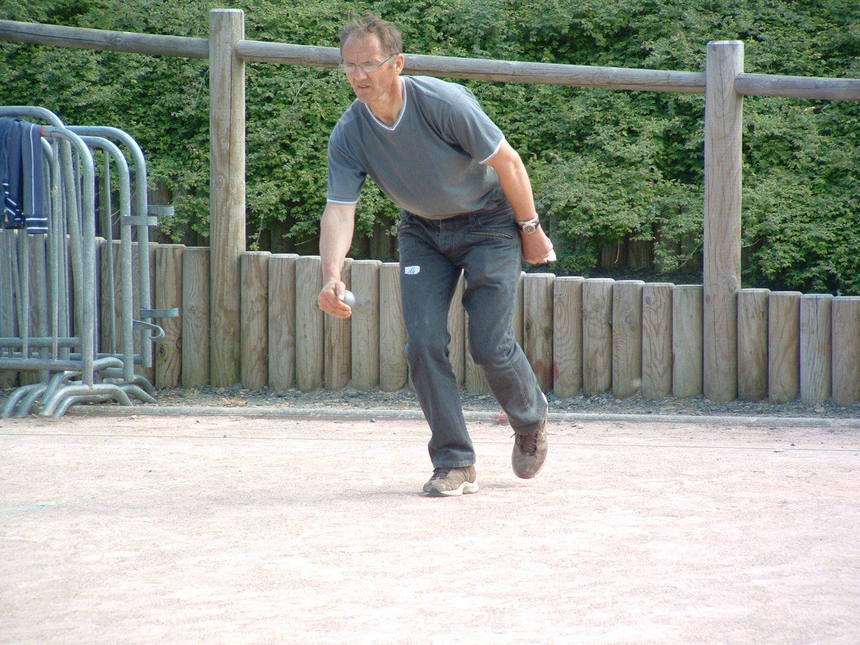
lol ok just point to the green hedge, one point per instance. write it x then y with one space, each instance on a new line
606 165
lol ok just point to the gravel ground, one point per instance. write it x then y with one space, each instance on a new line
405 399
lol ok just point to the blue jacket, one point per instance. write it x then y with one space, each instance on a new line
22 180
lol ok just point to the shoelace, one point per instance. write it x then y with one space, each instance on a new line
440 473
527 443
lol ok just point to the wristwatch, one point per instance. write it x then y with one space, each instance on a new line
529 226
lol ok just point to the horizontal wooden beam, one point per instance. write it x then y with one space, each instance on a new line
286 54
490 70
447 66
118 41
802 87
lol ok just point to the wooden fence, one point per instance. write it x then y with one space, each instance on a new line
588 336
733 356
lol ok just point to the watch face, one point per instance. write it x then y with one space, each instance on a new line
529 228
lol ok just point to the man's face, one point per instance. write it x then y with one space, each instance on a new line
370 83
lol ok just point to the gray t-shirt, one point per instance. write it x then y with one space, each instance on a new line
430 162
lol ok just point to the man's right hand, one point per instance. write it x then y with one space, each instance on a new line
330 302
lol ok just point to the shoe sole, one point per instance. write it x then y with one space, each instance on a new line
466 488
527 475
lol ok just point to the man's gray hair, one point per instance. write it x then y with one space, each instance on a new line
371 25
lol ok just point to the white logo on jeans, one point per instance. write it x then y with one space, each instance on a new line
414 270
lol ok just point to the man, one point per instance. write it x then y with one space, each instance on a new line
467 204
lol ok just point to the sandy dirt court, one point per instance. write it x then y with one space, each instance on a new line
218 529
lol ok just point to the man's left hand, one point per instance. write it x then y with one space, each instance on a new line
537 247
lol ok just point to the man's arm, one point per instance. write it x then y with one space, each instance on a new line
537 247
336 229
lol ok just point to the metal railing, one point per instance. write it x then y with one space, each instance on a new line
51 280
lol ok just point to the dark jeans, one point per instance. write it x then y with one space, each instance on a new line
486 245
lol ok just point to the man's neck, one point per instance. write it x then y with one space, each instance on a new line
388 108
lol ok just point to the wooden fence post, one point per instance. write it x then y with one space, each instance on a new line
846 350
393 370
254 270
309 324
537 323
226 189
110 296
337 355
474 379
626 338
195 316
519 313
722 251
657 340
597 335
567 335
815 347
783 346
142 337
168 350
752 344
8 378
282 320
687 340
365 324
457 351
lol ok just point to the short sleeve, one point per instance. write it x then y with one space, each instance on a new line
472 129
345 175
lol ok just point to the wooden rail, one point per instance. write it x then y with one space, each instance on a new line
102 39
448 66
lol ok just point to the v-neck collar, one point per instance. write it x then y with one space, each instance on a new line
392 128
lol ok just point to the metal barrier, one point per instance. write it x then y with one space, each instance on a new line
49 277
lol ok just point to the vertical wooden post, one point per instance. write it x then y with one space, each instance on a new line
338 343
254 267
8 327
722 252
393 370
626 338
783 346
537 321
142 338
687 340
846 350
168 350
519 314
567 335
282 320
110 297
657 340
195 316
309 324
474 379
457 353
365 324
226 189
815 347
752 344
597 335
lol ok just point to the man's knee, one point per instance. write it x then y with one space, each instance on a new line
426 348
486 351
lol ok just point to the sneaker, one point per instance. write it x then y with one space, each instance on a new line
529 453
452 481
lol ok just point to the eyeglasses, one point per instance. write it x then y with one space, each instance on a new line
367 68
